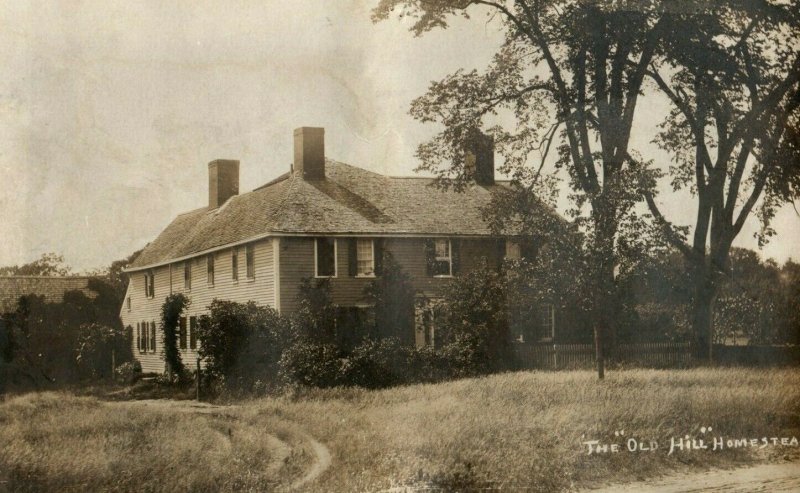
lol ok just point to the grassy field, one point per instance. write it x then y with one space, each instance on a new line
517 430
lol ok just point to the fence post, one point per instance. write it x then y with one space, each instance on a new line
555 357
197 379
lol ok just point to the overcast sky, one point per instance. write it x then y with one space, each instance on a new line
111 110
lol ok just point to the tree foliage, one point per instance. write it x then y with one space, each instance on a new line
49 264
568 76
732 72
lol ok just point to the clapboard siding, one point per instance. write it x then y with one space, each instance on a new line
169 279
297 263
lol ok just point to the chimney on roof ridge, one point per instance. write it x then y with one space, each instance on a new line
309 152
223 181
479 158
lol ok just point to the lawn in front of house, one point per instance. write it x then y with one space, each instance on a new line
524 429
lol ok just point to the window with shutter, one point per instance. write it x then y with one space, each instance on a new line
210 265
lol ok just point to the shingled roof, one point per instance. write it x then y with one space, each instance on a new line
51 288
349 200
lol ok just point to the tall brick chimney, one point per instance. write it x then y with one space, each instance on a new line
223 181
309 152
479 162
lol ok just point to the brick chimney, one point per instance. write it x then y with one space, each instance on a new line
309 152
479 159
223 181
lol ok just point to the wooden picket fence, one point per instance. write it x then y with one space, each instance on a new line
574 356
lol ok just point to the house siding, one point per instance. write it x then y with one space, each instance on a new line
169 279
297 263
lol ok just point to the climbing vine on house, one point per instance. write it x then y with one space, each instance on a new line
170 316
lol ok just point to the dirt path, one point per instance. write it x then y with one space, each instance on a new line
280 450
768 478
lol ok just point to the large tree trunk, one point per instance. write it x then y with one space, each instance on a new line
604 286
705 294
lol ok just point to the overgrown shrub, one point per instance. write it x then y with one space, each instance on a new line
128 372
243 342
171 311
41 338
376 364
98 345
473 323
311 363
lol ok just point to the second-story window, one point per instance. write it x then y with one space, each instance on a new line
210 264
325 257
235 263
128 301
439 257
250 259
187 275
149 284
365 258
513 250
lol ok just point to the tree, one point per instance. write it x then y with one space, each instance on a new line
49 264
733 76
567 70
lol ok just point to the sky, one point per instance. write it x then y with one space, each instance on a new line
111 110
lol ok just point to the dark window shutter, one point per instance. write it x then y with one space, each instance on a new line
527 250
138 336
378 242
152 336
182 332
455 255
430 257
500 251
352 257
192 332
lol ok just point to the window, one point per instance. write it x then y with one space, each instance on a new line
192 332
442 265
426 313
182 332
250 259
210 264
145 337
149 284
513 250
152 336
365 258
235 264
187 275
325 257
546 322
128 301
139 344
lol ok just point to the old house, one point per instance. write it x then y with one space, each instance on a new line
322 219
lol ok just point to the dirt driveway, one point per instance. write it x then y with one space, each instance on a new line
769 478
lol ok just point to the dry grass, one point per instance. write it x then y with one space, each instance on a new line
518 430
